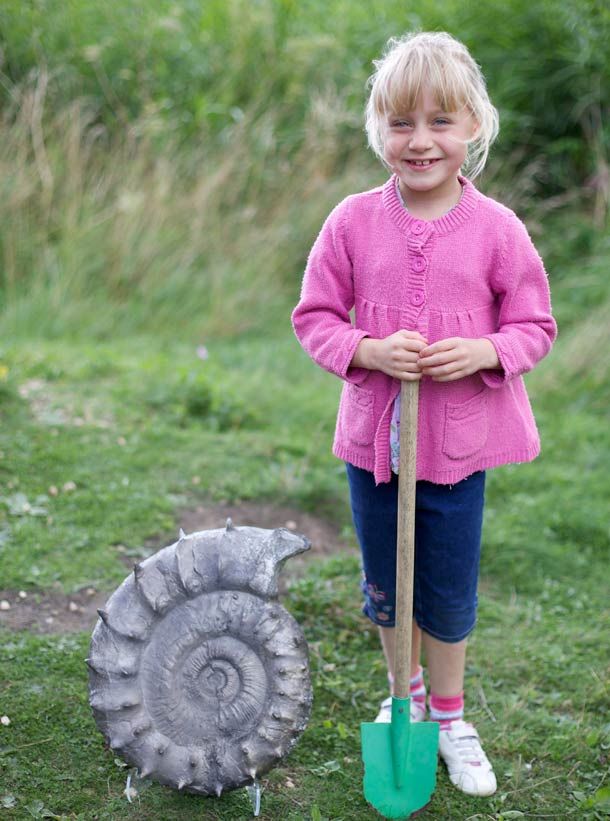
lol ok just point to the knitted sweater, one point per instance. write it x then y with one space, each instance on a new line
473 272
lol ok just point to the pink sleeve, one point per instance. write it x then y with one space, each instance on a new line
321 320
526 328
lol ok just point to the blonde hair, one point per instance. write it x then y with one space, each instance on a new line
438 60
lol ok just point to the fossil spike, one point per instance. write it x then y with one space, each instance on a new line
229 525
153 627
92 666
181 534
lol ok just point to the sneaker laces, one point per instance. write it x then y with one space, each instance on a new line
468 747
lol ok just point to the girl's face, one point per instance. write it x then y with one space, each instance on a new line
426 147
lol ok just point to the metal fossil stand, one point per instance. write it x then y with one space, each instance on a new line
198 677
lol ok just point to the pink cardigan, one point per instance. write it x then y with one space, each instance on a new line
473 272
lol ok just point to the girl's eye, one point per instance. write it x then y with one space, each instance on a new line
441 121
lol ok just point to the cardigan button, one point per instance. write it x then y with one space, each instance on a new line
419 264
417 298
418 227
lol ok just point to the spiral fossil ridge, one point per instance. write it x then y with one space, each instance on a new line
197 674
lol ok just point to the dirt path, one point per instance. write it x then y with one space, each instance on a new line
49 612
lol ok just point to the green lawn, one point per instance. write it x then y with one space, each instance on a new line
99 447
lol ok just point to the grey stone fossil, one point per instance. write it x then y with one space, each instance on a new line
198 676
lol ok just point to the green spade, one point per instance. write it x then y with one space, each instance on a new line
400 758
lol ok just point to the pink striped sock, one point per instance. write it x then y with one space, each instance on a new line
446 709
417 688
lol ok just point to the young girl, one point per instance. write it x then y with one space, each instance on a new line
447 288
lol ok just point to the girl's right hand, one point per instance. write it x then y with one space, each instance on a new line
397 355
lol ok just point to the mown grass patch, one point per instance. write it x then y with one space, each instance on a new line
538 703
100 448
108 441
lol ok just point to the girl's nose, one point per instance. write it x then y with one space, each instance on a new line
420 139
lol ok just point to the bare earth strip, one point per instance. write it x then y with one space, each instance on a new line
51 612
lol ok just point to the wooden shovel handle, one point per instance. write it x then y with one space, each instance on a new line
405 542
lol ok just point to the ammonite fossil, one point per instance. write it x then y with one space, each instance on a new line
198 676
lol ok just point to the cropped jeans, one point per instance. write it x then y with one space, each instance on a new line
448 521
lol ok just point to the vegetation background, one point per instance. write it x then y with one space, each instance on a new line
164 169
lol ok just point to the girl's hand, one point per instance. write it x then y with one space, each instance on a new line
456 357
397 355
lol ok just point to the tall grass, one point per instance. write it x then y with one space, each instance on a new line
167 165
108 231
197 66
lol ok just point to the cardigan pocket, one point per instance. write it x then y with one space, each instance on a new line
357 416
466 427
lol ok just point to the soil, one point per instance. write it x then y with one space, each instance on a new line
52 612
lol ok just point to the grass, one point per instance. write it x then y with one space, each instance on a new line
131 423
157 424
160 189
155 173
540 708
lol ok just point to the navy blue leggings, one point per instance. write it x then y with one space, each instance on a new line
448 520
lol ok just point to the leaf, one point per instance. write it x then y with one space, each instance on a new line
599 801
19 505
8 801
37 809
326 768
593 738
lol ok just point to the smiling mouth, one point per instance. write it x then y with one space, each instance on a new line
421 163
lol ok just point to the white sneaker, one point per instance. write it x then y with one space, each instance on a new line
468 766
418 711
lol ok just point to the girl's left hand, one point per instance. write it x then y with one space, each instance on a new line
456 357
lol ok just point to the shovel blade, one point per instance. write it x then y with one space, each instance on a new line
400 760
